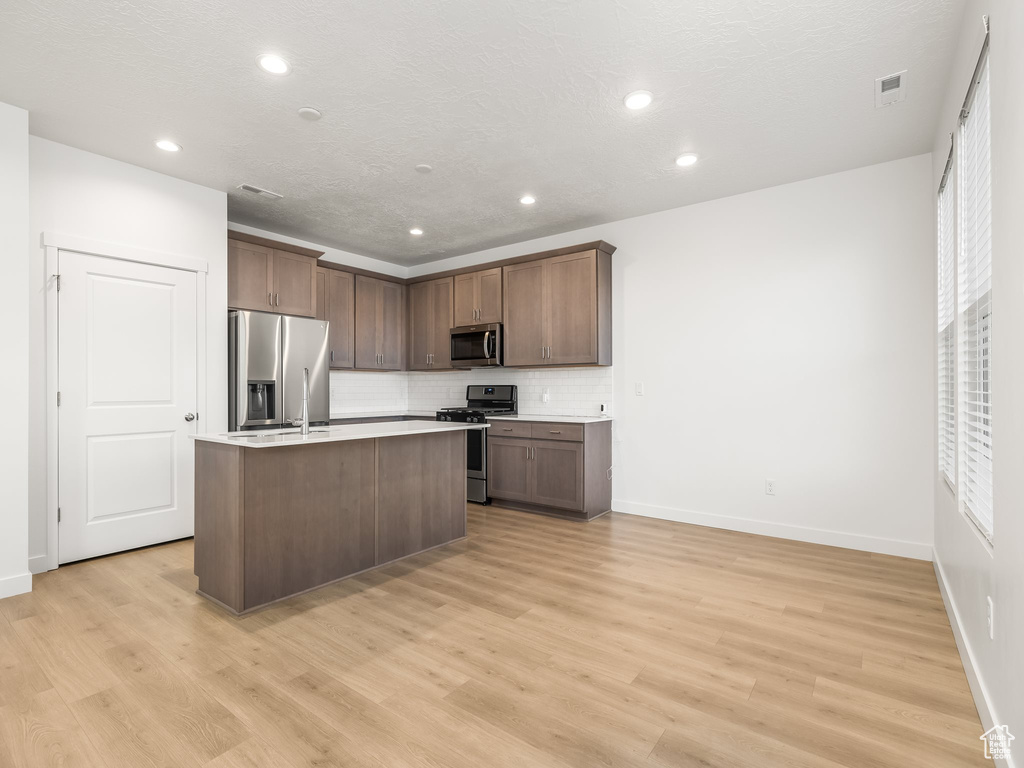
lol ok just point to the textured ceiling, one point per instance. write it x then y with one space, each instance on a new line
501 97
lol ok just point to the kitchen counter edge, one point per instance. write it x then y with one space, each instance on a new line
283 438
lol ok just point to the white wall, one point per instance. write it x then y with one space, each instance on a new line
782 334
970 570
89 196
14 385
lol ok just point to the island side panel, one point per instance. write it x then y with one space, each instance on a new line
309 516
597 465
219 496
421 492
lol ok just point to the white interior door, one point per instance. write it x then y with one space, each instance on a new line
127 380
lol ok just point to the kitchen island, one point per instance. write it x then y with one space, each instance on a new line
280 513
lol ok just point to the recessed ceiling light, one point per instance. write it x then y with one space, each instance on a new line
639 99
527 199
423 168
273 64
685 160
415 231
167 145
310 114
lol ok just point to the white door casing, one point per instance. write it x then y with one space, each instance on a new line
127 377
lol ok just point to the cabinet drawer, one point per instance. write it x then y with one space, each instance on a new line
547 431
510 429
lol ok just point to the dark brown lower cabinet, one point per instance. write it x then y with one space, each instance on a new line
558 474
508 468
562 469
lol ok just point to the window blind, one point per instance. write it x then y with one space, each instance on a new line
947 330
974 306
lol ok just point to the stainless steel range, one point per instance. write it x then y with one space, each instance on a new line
481 402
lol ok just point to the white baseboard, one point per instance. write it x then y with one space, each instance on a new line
978 690
913 549
15 585
38 564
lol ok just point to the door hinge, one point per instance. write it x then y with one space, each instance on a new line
58 399
58 282
58 514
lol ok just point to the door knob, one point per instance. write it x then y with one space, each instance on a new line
190 417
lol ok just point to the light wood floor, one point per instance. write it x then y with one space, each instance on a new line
536 642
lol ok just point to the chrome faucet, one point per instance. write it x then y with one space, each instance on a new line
305 401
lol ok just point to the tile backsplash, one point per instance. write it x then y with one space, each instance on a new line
358 392
571 391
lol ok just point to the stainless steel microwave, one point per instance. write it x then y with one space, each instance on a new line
476 346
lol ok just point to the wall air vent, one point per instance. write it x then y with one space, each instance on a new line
890 89
260 191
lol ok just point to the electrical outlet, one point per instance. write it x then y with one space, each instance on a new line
991 618
545 396
639 389
769 487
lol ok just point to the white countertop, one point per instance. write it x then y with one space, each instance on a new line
551 419
283 437
428 415
546 418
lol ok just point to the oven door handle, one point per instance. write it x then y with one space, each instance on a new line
487 345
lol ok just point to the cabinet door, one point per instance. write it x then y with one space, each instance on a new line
571 282
367 305
441 324
508 468
294 284
321 293
556 471
466 298
250 276
524 314
342 316
392 296
489 295
421 326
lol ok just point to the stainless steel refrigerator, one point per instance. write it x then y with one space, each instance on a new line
266 355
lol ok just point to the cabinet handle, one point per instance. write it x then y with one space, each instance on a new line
277 299
270 298
554 431
506 429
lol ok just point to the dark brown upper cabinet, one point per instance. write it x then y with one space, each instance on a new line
336 303
270 280
558 310
430 320
378 324
250 276
478 297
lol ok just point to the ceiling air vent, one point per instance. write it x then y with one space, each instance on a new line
260 191
890 89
